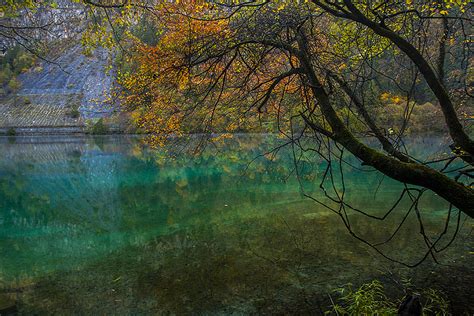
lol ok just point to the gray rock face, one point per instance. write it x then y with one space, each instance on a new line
43 24
74 74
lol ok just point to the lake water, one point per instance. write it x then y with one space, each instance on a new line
105 225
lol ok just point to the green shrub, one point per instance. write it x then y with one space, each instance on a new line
18 59
15 61
99 128
370 299
11 132
435 303
14 84
74 109
5 75
75 113
23 62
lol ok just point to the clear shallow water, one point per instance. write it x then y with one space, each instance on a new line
104 225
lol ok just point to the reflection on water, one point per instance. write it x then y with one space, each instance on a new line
105 225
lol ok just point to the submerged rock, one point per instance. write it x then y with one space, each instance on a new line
410 306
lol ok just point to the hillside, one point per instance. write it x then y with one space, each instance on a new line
59 97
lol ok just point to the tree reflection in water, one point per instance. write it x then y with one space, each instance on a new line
101 225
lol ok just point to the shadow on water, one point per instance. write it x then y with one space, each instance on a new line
107 226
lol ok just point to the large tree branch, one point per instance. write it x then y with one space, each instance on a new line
274 84
459 136
442 50
386 144
456 193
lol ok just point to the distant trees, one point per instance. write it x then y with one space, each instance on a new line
14 62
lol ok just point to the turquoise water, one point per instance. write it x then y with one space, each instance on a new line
106 225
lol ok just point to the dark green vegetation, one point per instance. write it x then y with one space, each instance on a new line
98 128
178 233
370 299
74 110
11 132
15 61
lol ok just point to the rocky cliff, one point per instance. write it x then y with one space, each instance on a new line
59 97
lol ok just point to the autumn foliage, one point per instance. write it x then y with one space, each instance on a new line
204 75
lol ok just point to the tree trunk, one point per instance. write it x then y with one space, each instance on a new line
459 136
413 173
